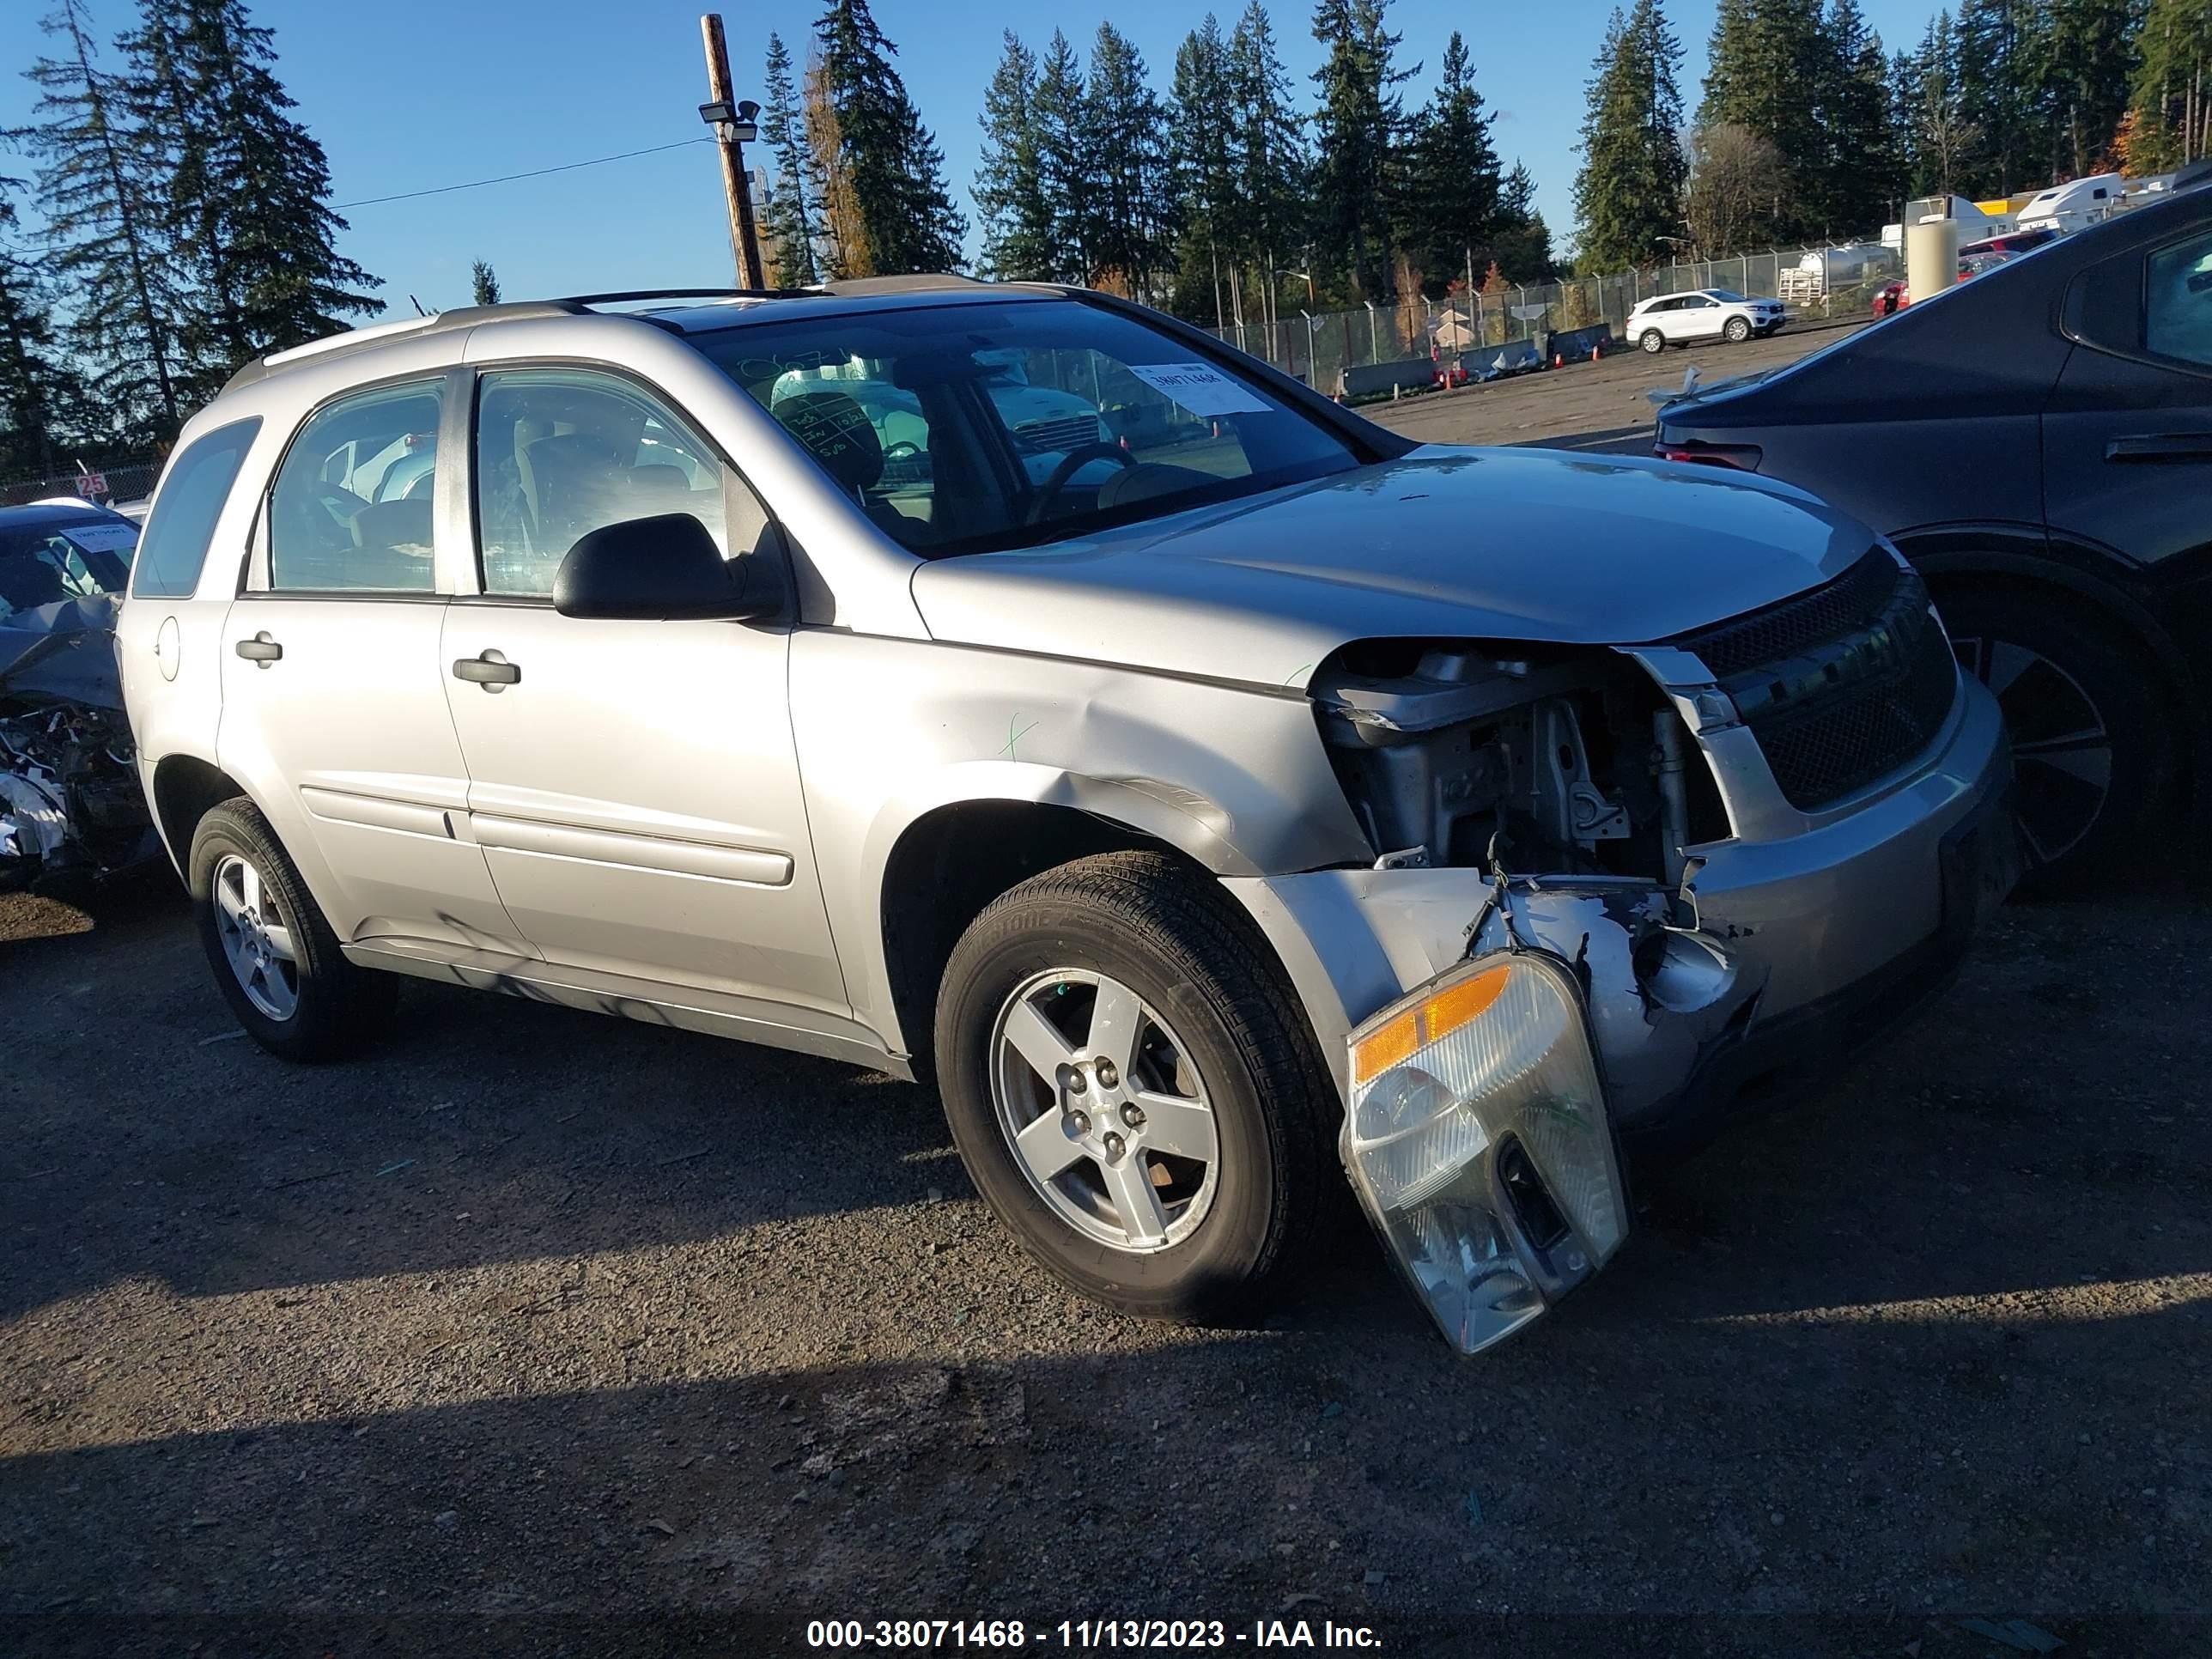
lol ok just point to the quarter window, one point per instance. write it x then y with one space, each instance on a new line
351 512
561 453
2177 315
175 543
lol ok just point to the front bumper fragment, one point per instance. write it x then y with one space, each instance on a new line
1477 1141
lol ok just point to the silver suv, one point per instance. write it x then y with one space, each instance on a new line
1200 806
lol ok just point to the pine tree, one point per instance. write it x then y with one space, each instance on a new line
893 165
1273 168
483 282
103 215
1864 156
1202 153
1521 242
1629 192
248 196
1932 121
1447 206
1357 124
41 397
2093 53
2172 105
1009 188
1131 233
790 220
1066 162
1767 76
2003 63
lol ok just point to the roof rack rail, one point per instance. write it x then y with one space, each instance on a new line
438 322
679 294
850 287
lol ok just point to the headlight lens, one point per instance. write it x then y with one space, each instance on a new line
1478 1142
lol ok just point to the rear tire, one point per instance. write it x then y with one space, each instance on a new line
2092 753
1736 330
1220 1048
273 954
1652 341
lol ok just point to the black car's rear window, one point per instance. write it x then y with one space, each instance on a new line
186 509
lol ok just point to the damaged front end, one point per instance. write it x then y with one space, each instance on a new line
71 811
1481 1133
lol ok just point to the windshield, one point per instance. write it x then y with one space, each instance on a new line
47 563
1727 296
970 428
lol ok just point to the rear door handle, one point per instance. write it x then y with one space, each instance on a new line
491 671
2161 447
261 649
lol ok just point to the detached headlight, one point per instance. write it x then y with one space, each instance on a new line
1478 1142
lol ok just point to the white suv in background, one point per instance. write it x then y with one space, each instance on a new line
1705 313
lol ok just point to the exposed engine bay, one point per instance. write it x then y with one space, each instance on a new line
1572 756
71 811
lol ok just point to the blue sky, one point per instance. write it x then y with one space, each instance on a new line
409 96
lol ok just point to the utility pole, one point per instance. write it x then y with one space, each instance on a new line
734 122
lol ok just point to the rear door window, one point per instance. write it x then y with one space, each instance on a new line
2178 302
175 543
351 510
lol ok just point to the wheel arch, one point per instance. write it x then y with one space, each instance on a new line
186 788
2023 559
953 859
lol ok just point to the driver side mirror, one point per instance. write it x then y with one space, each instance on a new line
666 569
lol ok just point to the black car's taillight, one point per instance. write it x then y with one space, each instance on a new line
1744 457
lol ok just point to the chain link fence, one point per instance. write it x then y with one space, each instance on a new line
1818 283
103 482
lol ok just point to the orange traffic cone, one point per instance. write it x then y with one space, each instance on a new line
1597 354
1558 360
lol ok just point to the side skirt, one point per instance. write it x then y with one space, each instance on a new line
748 1019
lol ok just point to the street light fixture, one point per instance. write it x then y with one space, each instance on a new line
737 123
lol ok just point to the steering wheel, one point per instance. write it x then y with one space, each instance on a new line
904 450
1070 464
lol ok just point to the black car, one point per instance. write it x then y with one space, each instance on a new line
2038 442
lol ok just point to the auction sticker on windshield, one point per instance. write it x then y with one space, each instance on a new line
1198 387
102 537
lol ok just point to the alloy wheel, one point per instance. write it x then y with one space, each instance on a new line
1104 1111
2062 750
257 937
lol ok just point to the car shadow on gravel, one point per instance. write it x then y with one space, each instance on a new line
1899 1474
2026 1134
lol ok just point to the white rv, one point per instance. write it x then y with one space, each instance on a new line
2070 206
1973 223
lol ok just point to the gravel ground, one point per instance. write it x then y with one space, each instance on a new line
1586 405
530 1331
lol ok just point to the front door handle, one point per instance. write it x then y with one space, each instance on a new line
491 671
261 649
2161 447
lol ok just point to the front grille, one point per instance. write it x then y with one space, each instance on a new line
1843 685
1844 743
1835 608
1071 431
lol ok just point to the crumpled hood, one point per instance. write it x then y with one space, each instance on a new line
1525 545
62 653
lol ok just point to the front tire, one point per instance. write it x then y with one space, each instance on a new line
1736 330
1652 341
275 957
2092 755
1134 1091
